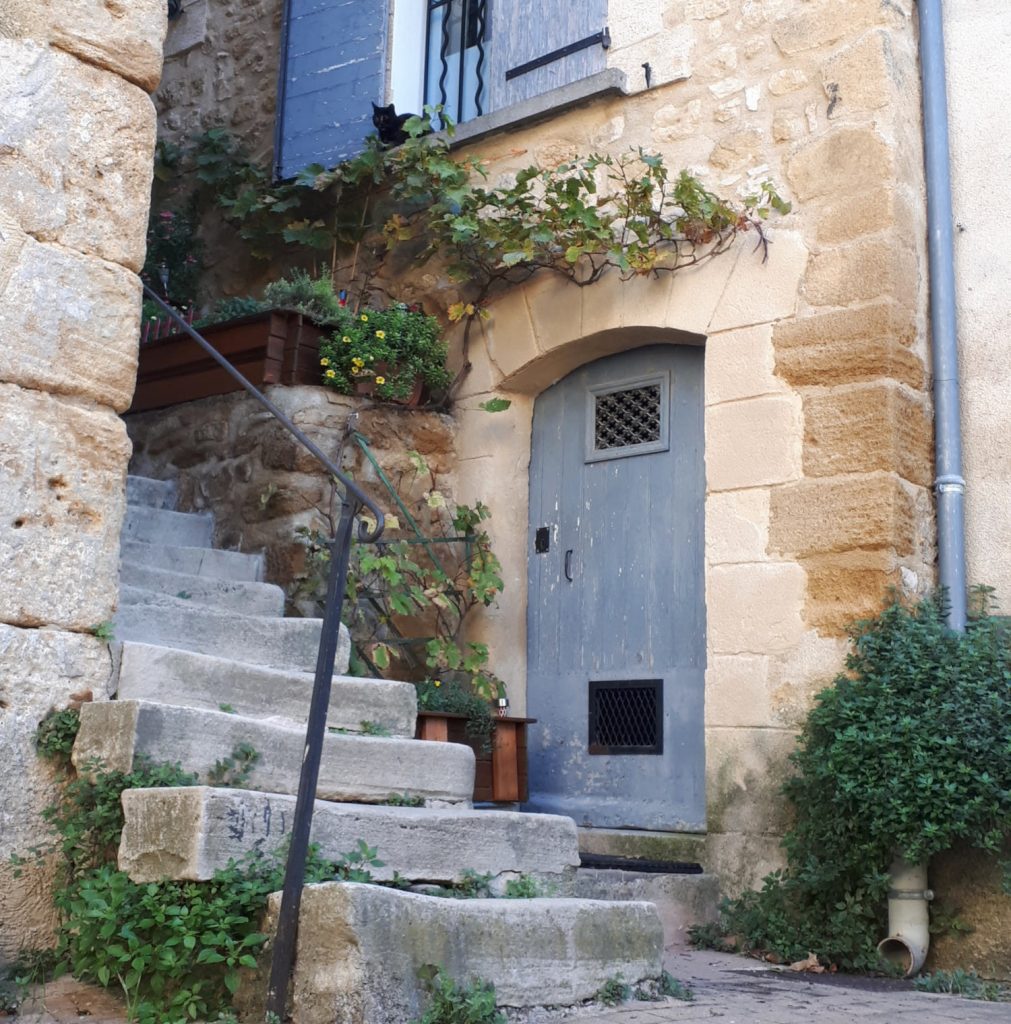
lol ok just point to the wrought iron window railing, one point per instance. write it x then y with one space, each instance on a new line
455 66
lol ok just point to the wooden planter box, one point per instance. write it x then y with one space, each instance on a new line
501 776
273 347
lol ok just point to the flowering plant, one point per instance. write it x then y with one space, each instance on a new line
390 349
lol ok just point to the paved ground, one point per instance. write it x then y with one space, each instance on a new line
735 990
728 990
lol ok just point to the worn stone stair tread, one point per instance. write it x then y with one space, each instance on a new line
164 526
191 679
354 768
192 831
213 563
360 949
231 595
146 491
271 642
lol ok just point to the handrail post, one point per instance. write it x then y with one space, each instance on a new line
283 954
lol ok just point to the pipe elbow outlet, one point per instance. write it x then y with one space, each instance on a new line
905 953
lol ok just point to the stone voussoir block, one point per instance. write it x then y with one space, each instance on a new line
540 952
190 832
190 679
76 149
871 511
365 769
61 505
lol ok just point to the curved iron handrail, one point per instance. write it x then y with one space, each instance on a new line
354 499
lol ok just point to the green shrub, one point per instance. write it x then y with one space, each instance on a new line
454 1003
54 738
908 753
967 984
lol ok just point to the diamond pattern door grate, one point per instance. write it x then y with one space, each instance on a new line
626 418
626 717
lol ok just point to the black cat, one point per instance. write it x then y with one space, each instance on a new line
390 125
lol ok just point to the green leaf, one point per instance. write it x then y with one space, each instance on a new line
495 405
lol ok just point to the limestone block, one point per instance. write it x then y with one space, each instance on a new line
122 36
847 346
737 691
873 210
191 832
741 364
755 609
737 526
863 76
872 512
76 149
39 670
787 80
762 291
844 161
738 150
877 426
745 769
70 323
510 336
669 54
842 588
796 676
753 443
844 275
62 473
822 21
742 860
541 952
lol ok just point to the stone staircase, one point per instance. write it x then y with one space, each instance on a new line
208 664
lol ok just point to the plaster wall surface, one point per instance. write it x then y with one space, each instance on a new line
76 141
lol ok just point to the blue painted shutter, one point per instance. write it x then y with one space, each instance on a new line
333 67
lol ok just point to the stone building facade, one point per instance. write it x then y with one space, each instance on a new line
77 136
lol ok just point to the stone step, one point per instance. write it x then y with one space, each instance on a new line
142 490
187 679
354 768
197 561
289 644
191 832
681 900
361 948
229 595
163 526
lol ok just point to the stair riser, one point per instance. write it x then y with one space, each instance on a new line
261 599
363 769
189 833
205 562
287 644
142 490
193 680
161 526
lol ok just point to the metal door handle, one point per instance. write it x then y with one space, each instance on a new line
568 565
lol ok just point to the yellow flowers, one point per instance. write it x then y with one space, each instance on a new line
380 380
357 364
381 335
346 340
365 319
330 374
437 682
324 362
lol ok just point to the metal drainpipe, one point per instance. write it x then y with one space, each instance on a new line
949 483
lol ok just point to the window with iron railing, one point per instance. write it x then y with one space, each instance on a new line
471 57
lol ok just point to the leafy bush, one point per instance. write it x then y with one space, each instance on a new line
314 297
613 992
172 245
456 1003
967 984
908 754
457 698
54 738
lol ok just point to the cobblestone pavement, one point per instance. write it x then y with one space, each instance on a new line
735 990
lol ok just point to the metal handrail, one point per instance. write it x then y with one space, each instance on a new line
352 502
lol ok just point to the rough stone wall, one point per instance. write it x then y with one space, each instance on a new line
233 459
76 141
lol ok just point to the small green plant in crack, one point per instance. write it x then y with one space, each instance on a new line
104 631
404 800
664 987
54 738
29 969
452 1002
526 887
354 865
228 709
959 982
184 595
234 771
373 728
613 992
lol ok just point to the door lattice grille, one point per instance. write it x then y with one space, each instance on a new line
626 717
626 418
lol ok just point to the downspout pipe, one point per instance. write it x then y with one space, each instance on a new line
949 483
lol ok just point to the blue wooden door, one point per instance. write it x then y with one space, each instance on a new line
616 613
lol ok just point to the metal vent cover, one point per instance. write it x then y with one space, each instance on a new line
628 418
626 716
